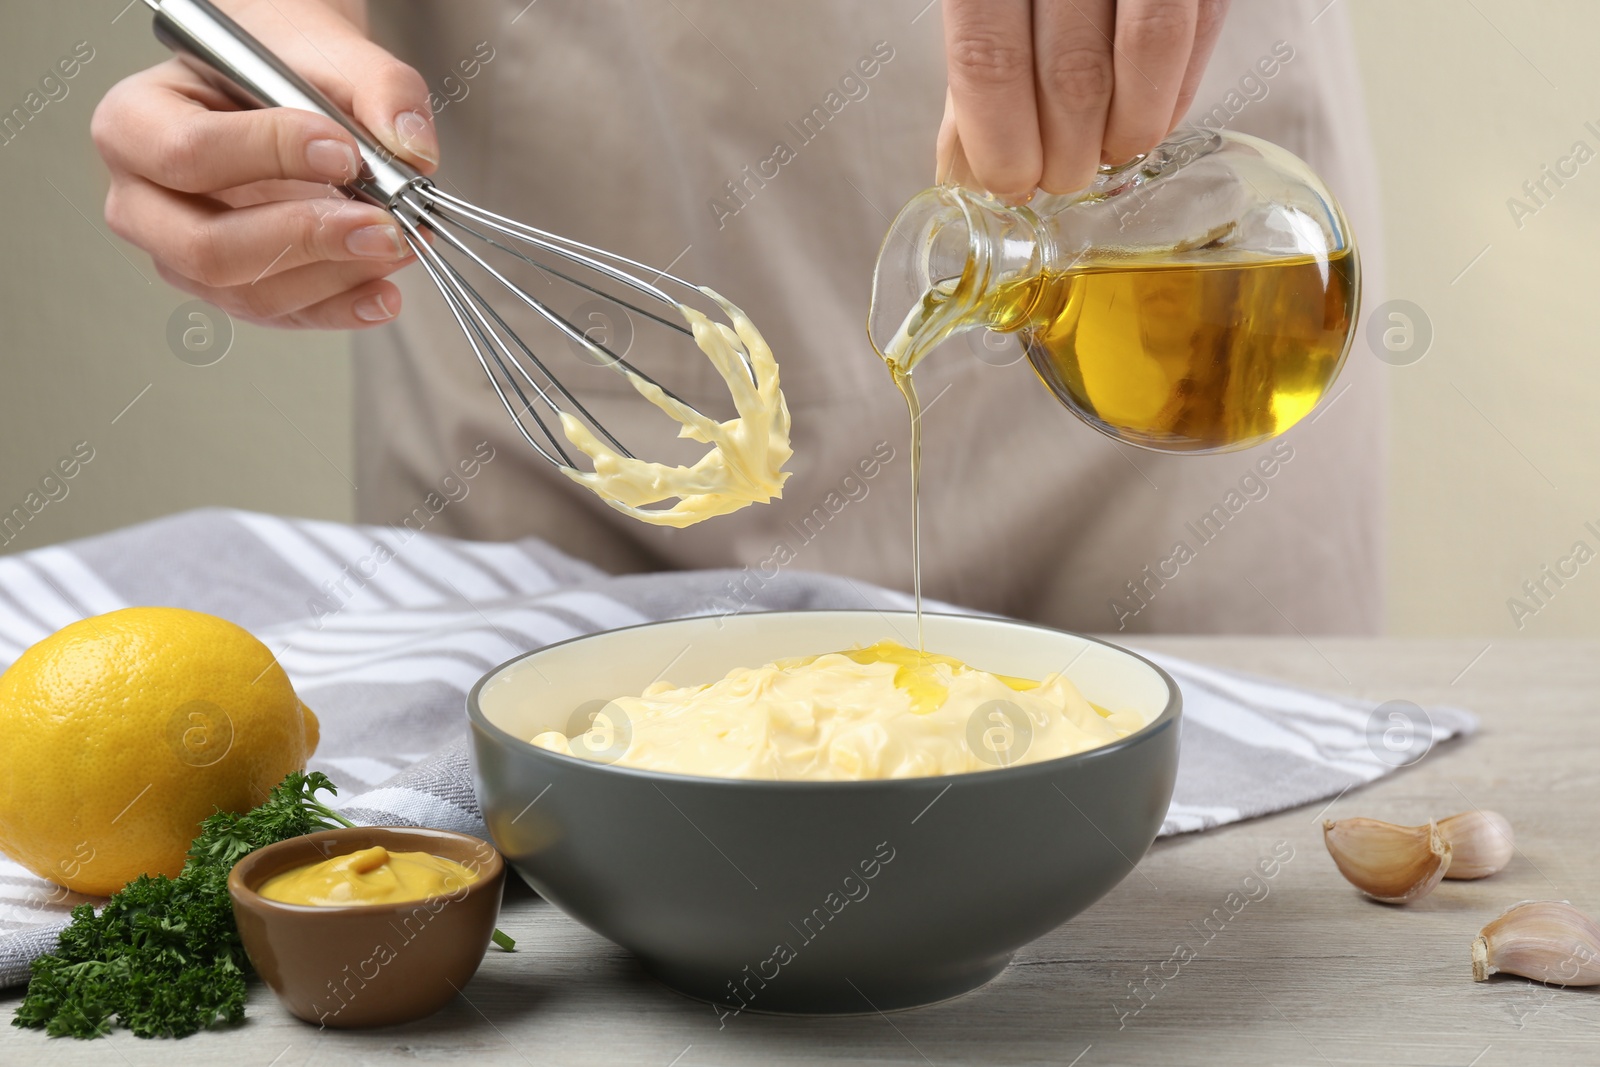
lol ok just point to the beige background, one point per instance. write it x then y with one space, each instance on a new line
1494 439
83 330
1493 468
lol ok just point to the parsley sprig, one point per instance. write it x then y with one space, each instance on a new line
163 957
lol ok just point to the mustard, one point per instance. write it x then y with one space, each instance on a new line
371 876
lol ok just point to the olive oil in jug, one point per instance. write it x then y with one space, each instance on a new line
1200 299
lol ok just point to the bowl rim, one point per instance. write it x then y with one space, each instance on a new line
1167 718
247 896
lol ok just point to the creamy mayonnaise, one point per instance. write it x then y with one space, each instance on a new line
745 464
886 711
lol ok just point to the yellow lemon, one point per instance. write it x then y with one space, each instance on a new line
120 733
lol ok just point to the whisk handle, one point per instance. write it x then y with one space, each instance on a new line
235 62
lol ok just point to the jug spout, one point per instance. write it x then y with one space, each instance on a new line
943 256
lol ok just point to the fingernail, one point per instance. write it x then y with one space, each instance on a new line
373 309
375 242
416 135
334 160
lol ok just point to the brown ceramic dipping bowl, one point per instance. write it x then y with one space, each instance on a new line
366 965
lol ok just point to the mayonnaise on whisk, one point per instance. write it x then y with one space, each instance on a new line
745 464
886 711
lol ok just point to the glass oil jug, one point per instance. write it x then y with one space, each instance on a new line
1198 299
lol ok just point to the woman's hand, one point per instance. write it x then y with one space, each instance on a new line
1044 91
241 208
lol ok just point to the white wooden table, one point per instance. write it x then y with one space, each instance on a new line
1309 974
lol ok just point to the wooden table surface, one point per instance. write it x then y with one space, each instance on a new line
1311 973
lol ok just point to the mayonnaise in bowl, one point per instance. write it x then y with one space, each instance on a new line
881 711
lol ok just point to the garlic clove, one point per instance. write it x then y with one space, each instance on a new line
1394 864
1480 843
1546 940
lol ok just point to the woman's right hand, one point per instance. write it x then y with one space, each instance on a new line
241 208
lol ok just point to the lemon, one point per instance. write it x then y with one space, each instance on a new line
120 733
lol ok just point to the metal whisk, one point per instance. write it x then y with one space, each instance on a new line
241 66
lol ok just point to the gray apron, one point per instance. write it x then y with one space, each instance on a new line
622 124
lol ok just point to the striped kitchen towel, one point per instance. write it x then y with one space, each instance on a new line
383 630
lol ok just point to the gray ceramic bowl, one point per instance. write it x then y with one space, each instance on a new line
817 897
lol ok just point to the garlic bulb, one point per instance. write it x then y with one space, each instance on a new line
1394 864
1546 940
1480 843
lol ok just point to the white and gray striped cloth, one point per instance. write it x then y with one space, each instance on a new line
383 630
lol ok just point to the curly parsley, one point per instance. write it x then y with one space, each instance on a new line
163 957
